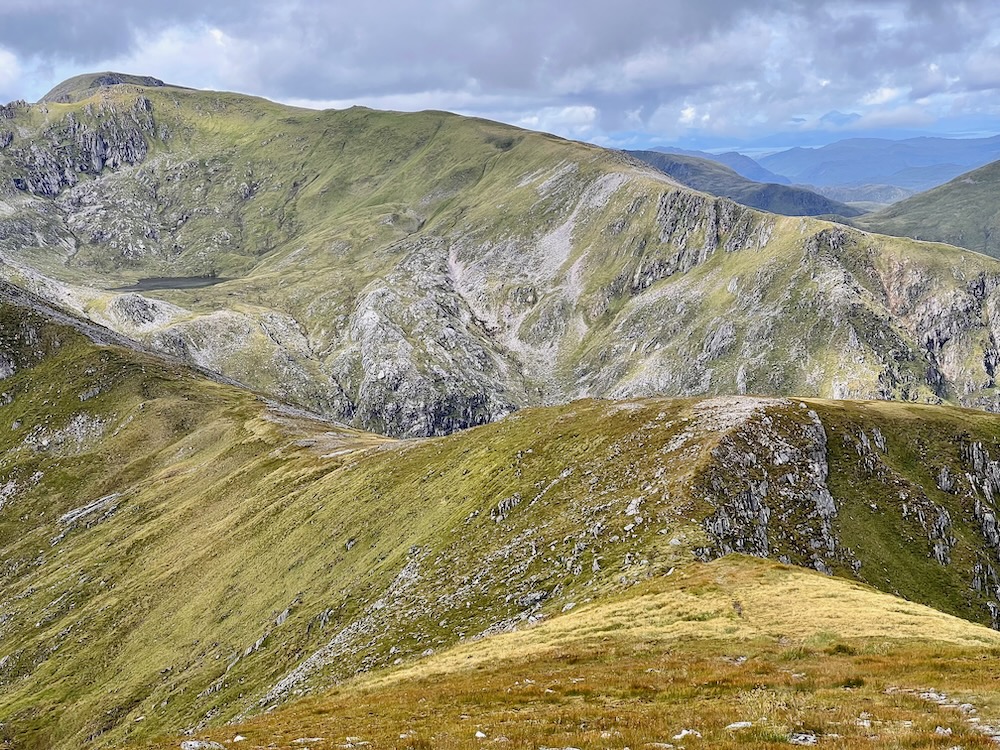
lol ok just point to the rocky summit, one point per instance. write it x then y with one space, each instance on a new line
733 477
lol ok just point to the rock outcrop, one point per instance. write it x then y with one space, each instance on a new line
86 143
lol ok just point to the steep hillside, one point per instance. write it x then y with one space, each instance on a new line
717 179
963 212
413 274
177 553
912 163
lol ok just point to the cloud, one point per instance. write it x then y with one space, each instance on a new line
585 68
881 95
10 70
839 119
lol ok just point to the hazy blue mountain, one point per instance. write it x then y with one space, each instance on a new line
913 163
739 163
711 177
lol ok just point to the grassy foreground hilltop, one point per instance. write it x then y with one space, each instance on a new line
735 654
413 274
178 553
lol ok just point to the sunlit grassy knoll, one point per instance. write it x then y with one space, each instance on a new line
738 640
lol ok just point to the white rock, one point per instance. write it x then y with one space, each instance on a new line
739 725
685 732
480 735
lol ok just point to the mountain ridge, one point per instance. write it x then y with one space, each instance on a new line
739 163
717 179
180 552
414 274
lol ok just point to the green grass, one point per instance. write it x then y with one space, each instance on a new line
961 212
244 540
806 654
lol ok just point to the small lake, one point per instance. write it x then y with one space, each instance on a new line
171 282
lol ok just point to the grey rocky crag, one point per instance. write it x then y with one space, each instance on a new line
100 137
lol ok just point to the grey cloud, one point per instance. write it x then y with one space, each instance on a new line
87 31
774 61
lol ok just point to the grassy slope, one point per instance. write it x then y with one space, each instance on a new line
738 640
962 212
242 541
718 179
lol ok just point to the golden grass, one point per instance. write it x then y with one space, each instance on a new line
737 640
735 598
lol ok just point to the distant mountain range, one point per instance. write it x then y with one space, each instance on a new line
739 163
868 172
712 177
914 163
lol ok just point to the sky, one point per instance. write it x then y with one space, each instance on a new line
713 74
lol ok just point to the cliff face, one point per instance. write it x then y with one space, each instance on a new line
416 274
81 143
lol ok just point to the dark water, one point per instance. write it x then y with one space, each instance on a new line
171 282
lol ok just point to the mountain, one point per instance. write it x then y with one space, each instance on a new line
741 164
179 553
913 164
84 86
714 178
881 195
963 212
238 342
414 274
